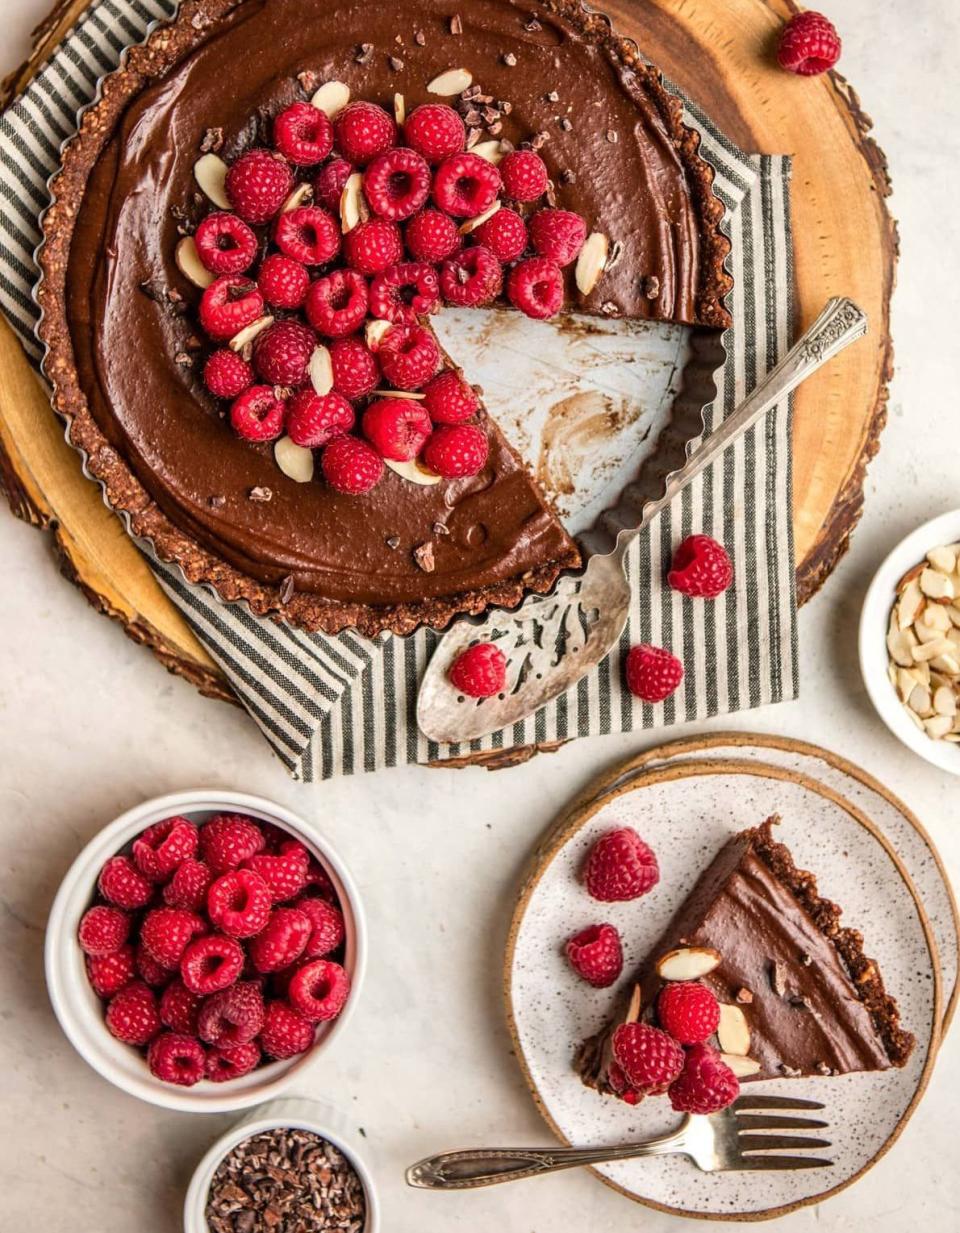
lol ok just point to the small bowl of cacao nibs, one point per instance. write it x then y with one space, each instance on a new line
286 1166
203 948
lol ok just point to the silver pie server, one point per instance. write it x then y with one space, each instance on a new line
551 641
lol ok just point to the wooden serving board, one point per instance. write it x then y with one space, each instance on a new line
722 53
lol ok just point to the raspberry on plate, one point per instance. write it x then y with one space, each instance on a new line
308 234
596 954
701 568
449 399
282 941
326 927
435 130
362 131
355 368
524 175
471 277
456 450
177 1059
229 839
231 1061
688 1011
337 304
122 883
314 419
282 352
373 245
258 414
225 243
432 236
226 374
283 283
480 671
239 902
103 931
233 1016
409 356
303 134
650 1059
108 974
163 847
535 286
285 873
706 1085
285 1032
132 1014
464 185
397 428
211 963
188 886
319 990
403 292
228 305
620 866
351 466
652 672
809 44
179 1008
329 181
257 185
557 234
166 933
504 233
397 184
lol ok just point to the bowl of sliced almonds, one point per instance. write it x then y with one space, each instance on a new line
910 641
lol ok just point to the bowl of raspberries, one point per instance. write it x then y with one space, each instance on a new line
203 948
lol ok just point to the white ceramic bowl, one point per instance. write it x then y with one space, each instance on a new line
80 1011
874 659
293 1114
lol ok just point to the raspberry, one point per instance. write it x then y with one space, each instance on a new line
326 927
456 450
524 175
557 234
701 568
620 866
283 283
618 1081
230 303
108 974
472 277
284 873
308 234
188 886
318 877
480 671
505 234
596 955
225 243
535 286
282 941
707 1083
403 292
363 131
809 44
123 884
258 414
211 963
652 672
396 427
351 466
179 1008
228 840
355 368
103 931
179 1059
239 903
319 990
149 971
132 1014
163 847
315 419
226 374
285 1032
337 304
465 185
409 356
435 131
233 1016
282 352
651 1060
688 1011
397 184
303 134
432 236
166 933
449 400
231 1062
257 185
371 246
329 181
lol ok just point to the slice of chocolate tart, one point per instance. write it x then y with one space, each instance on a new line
804 999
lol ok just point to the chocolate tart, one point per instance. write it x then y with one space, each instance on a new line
813 1001
116 311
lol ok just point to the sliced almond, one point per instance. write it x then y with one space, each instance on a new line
250 332
900 645
943 558
935 616
591 262
375 331
353 204
210 172
930 650
331 98
953 612
919 701
687 963
633 1010
742 1067
491 151
925 631
294 461
399 110
302 193
909 604
320 369
414 471
950 664
945 701
936 585
938 726
397 394
733 1031
473 223
189 263
453 81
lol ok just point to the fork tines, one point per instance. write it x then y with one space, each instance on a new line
753 1113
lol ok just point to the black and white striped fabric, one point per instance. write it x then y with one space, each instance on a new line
338 705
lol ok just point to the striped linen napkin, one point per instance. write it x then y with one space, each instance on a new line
338 705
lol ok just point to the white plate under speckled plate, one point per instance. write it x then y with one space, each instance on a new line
686 812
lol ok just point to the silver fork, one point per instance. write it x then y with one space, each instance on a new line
735 1139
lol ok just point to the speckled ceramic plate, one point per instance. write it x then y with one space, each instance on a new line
686 812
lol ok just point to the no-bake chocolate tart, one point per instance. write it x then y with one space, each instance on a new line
120 318
812 1002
